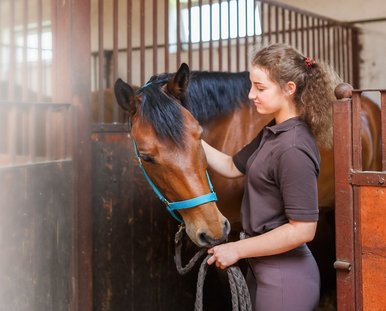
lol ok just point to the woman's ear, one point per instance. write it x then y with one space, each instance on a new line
290 88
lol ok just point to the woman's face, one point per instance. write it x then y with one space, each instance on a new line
267 96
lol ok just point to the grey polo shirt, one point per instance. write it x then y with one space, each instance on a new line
281 166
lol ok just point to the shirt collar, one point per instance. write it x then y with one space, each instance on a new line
284 126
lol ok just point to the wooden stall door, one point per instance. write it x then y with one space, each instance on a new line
360 210
45 234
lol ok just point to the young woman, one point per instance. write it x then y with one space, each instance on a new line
279 210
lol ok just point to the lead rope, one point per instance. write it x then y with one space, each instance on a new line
241 300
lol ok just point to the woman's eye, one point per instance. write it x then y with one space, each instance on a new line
146 158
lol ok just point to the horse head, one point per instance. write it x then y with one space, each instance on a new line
168 143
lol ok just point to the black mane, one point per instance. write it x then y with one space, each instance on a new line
209 95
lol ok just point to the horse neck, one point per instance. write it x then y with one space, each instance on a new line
231 132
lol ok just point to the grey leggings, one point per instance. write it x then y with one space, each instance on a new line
285 282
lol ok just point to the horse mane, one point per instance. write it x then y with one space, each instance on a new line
213 94
208 95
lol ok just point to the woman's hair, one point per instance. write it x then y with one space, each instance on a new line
315 84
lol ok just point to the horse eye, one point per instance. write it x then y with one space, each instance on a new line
146 158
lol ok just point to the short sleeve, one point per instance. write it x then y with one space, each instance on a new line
297 174
240 159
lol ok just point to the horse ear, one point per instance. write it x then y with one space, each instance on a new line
125 96
178 83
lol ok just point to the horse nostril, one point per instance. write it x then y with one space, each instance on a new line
227 228
204 239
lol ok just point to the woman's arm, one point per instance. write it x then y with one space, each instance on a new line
276 241
220 162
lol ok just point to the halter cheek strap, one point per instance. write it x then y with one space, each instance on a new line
174 206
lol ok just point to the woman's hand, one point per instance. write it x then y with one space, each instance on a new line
223 255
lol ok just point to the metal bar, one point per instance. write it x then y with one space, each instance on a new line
25 70
297 31
262 21
166 34
269 30
129 68
283 30
210 35
383 129
200 57
220 45
246 41
12 61
290 27
190 53
229 46
142 41
101 57
276 24
238 36
356 131
40 50
155 36
115 54
178 54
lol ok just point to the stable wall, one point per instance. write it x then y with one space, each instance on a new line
372 38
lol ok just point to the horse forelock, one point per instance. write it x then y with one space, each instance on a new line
162 111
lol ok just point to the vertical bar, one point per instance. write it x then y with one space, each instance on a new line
290 29
308 35
383 129
283 28
220 47
210 35
178 54
200 58
142 41
129 68
238 36
40 50
356 131
101 56
269 29
12 61
115 55
155 36
25 52
302 34
355 58
190 53
276 24
313 38
229 47
344 200
246 42
262 22
166 33
297 29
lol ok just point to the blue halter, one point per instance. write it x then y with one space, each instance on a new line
173 206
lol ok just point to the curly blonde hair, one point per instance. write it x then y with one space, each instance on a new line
315 85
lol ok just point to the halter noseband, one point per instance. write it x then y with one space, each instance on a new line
173 206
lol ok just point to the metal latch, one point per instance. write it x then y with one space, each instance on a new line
342 265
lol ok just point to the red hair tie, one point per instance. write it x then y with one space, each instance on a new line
309 62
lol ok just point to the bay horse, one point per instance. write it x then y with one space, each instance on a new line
214 106
217 103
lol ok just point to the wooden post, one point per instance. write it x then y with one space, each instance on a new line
344 264
72 84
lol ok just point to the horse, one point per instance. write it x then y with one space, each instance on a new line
214 106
